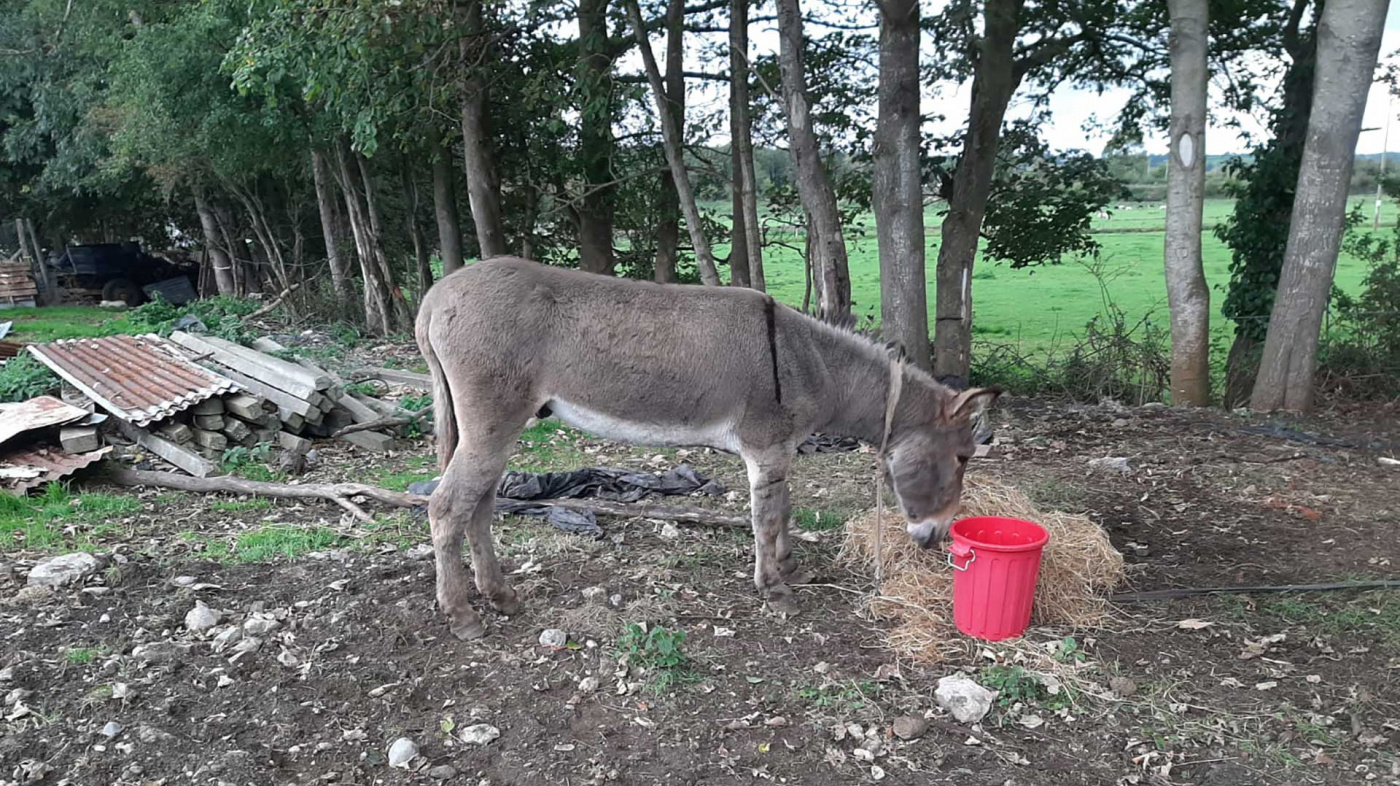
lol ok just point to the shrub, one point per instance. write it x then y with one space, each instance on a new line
23 378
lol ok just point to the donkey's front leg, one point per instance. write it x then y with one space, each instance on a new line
771 508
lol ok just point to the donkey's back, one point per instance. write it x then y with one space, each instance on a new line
629 360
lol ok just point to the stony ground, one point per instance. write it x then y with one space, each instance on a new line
225 641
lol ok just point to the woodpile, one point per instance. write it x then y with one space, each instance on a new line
296 400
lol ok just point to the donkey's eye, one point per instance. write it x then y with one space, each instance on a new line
963 460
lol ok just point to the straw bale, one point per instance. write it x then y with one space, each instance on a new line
1078 568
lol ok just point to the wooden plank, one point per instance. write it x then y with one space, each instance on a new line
359 411
396 376
291 420
372 440
182 457
210 440
282 399
293 443
179 433
265 344
79 439
245 406
272 371
209 406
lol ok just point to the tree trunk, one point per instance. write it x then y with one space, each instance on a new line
993 84
675 153
445 208
483 184
340 279
668 234
596 144
898 184
1187 293
741 151
399 314
377 309
234 246
1349 38
223 267
813 182
423 263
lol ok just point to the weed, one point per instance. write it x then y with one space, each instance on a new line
222 315
659 651
818 520
416 402
79 656
370 389
282 542
251 463
1069 651
1014 684
844 698
24 378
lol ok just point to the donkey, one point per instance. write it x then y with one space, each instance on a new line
666 365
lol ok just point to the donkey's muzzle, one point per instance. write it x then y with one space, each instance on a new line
928 534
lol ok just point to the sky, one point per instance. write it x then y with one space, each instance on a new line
1070 109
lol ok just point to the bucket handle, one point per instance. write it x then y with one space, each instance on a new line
959 550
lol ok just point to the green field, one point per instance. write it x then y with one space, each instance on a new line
1042 307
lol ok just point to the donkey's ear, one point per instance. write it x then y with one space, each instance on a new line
896 350
970 403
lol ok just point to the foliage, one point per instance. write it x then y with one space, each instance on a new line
223 316
1361 354
1043 203
657 650
24 377
1014 685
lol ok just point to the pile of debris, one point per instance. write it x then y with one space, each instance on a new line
17 287
191 398
45 439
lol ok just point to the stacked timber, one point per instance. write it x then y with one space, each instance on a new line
301 400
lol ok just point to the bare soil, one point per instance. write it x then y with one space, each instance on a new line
1263 689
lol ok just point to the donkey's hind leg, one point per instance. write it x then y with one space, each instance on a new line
452 505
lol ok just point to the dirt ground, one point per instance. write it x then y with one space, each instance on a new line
105 684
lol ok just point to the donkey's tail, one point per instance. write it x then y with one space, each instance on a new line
444 417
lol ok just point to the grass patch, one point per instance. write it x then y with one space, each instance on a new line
844 697
244 505
660 652
57 518
81 656
213 549
414 469
819 520
1374 615
268 544
548 446
51 323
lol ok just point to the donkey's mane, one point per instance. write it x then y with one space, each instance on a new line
866 344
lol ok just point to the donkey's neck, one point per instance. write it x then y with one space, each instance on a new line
858 380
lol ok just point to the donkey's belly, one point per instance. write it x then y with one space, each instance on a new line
609 426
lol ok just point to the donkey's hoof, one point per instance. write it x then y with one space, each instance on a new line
797 576
468 629
783 602
507 604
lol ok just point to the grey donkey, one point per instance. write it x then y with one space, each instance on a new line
665 365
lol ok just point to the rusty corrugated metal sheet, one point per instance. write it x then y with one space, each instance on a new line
37 412
9 349
139 379
18 468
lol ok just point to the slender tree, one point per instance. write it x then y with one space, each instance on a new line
898 183
746 230
1187 293
668 233
1349 39
445 206
833 276
483 183
675 152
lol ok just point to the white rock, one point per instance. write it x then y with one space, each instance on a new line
201 618
1117 464
670 531
260 626
595 595
423 551
159 651
288 659
964 698
553 638
112 729
480 734
588 684
226 638
402 752
63 569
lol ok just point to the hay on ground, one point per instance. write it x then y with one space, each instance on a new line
1078 568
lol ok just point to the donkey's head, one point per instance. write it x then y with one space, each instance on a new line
929 449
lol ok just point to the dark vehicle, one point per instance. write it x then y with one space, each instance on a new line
119 271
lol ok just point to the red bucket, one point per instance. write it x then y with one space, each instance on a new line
997 562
